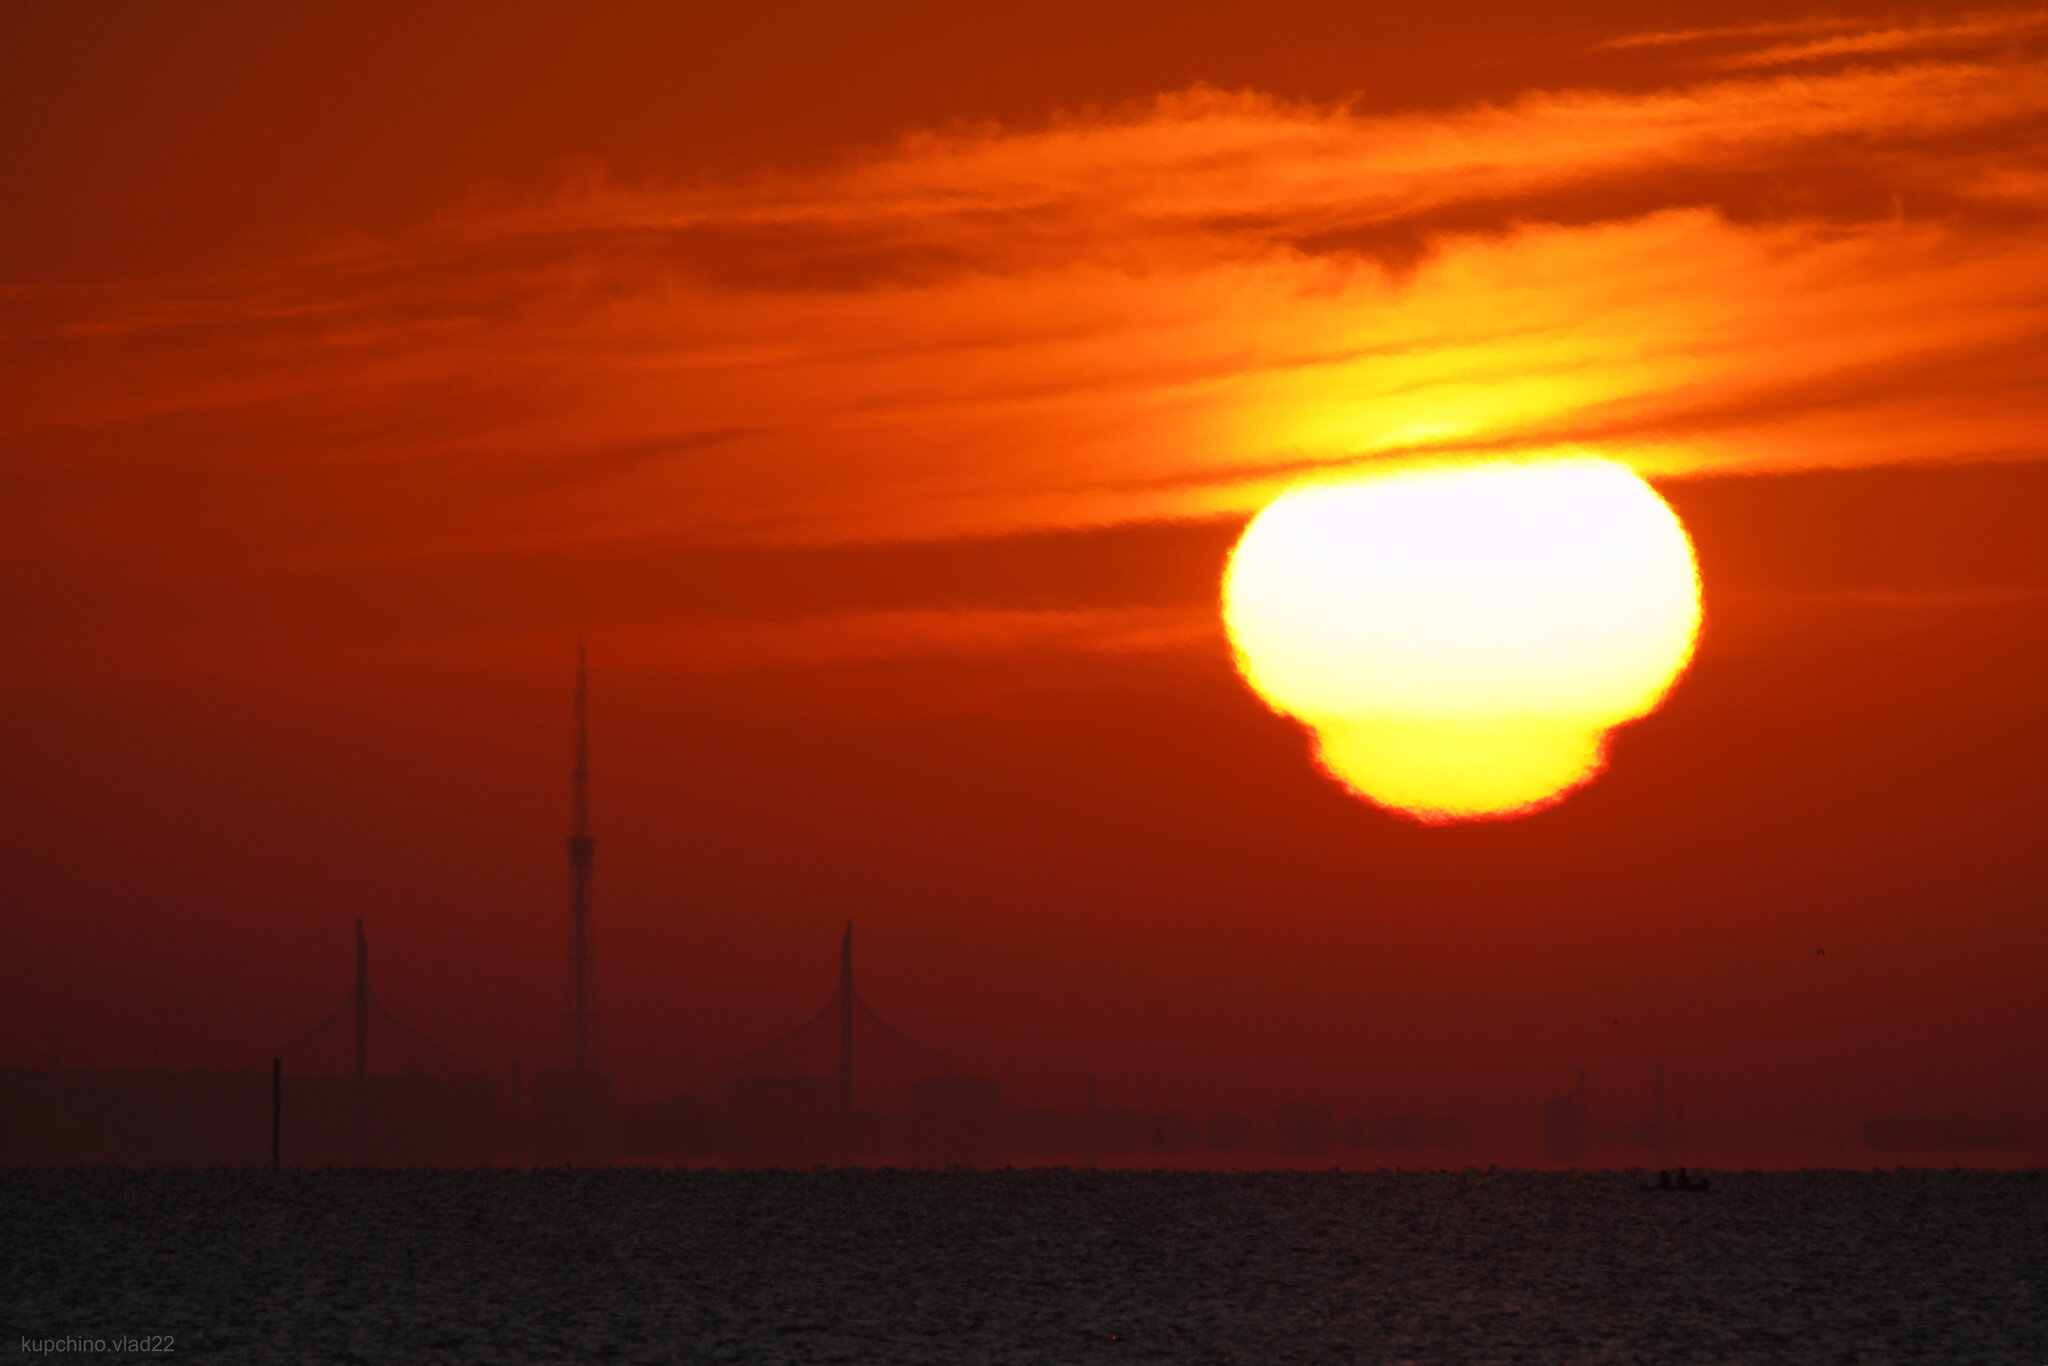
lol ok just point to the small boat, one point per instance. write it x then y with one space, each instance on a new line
1682 1184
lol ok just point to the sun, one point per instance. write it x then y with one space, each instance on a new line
1462 638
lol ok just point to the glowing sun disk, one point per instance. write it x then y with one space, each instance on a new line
1462 638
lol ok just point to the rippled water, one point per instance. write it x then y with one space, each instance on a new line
1029 1266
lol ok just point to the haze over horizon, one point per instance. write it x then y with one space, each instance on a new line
880 395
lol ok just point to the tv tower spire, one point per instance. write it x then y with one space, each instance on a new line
581 847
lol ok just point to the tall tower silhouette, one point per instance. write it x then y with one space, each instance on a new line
572 1104
582 846
846 1045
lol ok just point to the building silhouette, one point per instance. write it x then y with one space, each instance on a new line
954 1121
1656 1131
1301 1129
1564 1124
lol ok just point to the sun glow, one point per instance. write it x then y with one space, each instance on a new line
1461 639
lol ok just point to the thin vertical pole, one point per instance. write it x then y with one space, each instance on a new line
1663 1134
276 1110
582 848
1581 1128
362 1046
362 1005
846 1045
1090 1121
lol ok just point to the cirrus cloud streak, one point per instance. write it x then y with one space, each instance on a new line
1169 310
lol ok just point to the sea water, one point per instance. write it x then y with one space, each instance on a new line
1047 1265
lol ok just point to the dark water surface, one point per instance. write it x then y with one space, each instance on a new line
1027 1266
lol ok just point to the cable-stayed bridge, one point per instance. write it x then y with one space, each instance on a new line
826 1088
362 1086
361 1038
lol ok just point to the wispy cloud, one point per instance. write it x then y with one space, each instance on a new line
871 637
1167 310
1683 37
1838 35
1961 34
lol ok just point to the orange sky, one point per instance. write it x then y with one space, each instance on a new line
880 388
